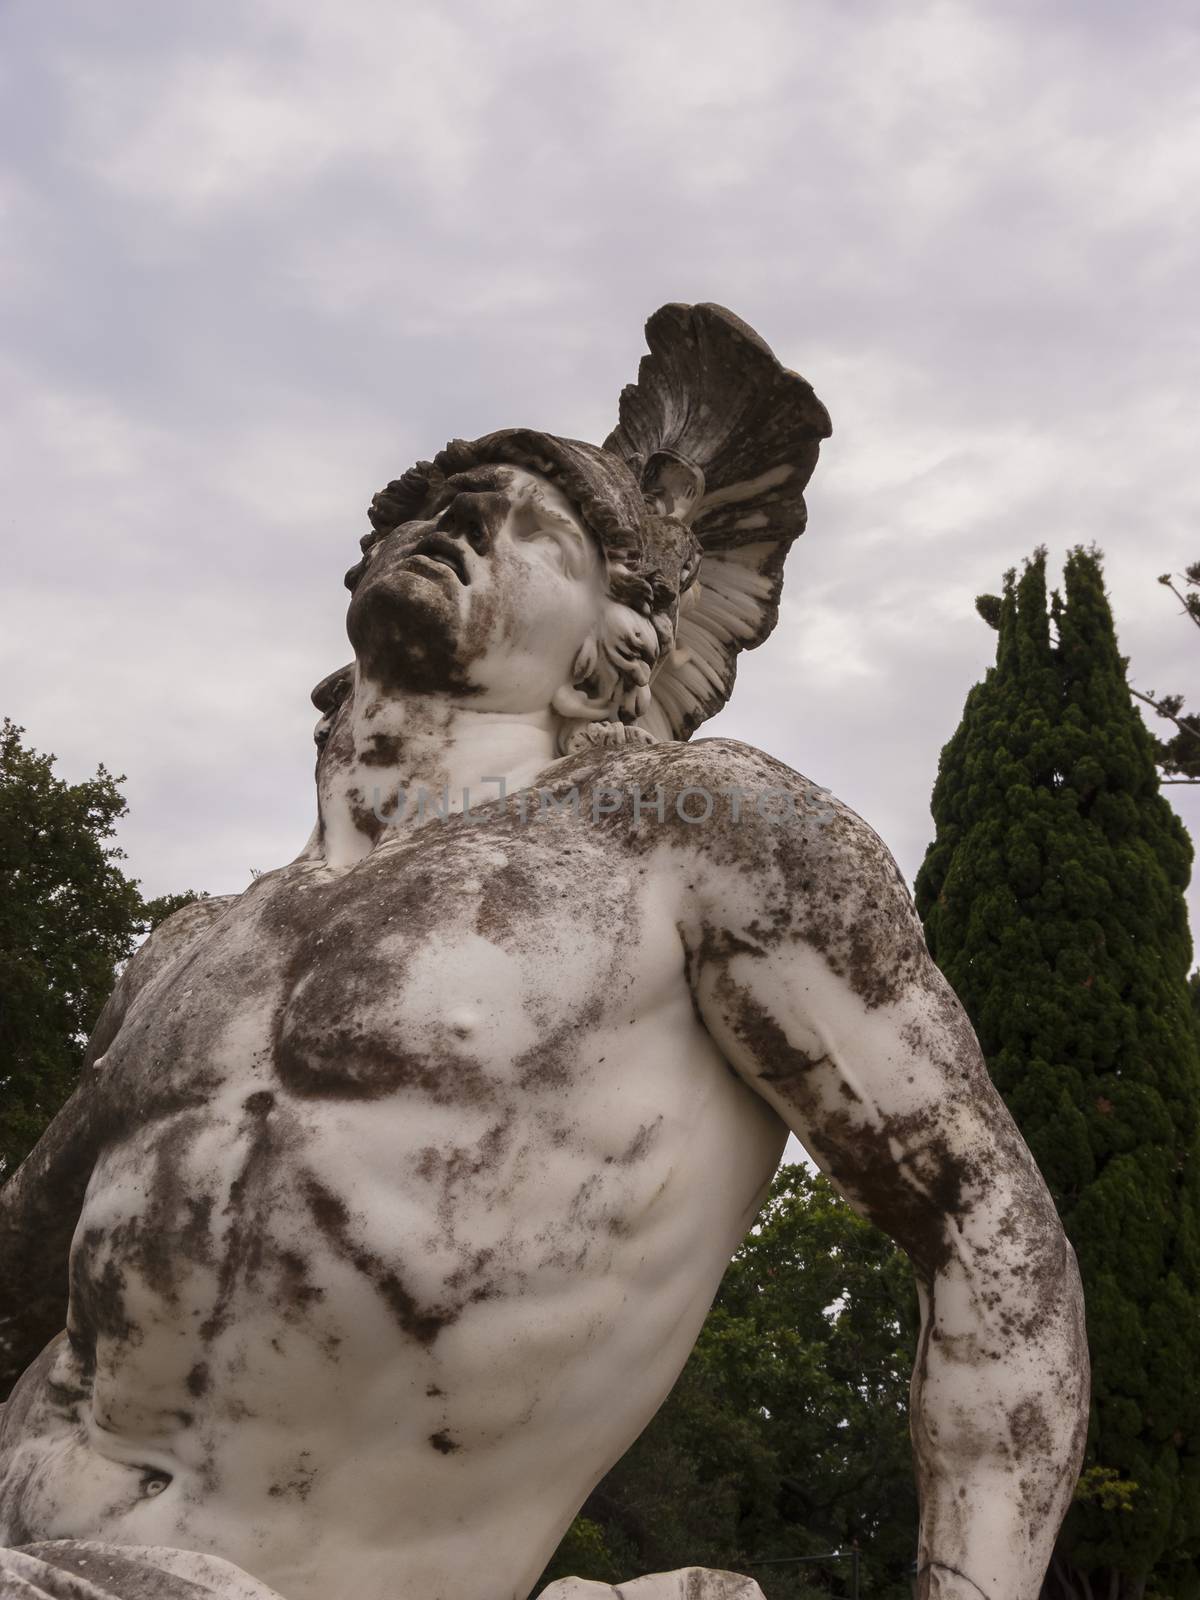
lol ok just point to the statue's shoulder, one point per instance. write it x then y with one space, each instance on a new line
744 783
173 936
735 804
677 763
175 933
730 761
722 800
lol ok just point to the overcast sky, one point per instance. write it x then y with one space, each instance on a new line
260 255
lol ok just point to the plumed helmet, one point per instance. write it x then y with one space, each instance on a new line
695 497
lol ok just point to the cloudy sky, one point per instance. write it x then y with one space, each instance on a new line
259 255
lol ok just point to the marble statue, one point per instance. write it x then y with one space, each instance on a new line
396 1188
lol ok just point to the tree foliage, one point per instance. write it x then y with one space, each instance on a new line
69 917
787 1432
1053 901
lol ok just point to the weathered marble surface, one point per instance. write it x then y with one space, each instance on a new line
397 1188
79 1569
690 1583
75 1569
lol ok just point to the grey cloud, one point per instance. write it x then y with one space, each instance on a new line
271 253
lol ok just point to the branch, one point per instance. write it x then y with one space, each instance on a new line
1161 706
1183 599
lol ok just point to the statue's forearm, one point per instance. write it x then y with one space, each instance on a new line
999 1410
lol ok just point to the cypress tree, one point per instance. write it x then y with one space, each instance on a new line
1052 898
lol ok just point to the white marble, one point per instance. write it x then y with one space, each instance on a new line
81 1569
399 1186
690 1583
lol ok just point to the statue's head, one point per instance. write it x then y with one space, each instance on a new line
614 585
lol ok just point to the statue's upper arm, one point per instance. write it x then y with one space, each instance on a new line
809 968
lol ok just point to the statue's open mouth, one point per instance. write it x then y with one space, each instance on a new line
447 552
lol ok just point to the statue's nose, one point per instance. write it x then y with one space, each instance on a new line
473 517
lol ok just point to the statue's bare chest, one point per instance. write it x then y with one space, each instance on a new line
475 962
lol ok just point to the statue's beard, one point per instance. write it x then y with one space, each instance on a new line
415 633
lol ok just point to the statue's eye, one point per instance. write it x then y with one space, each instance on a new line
154 1483
550 541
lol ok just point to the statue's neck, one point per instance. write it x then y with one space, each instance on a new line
397 761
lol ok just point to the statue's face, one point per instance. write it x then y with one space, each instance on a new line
490 599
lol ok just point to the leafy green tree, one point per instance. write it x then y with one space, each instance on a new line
1052 897
787 1433
69 917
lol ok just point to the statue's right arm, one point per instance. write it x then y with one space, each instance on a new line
809 968
41 1202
